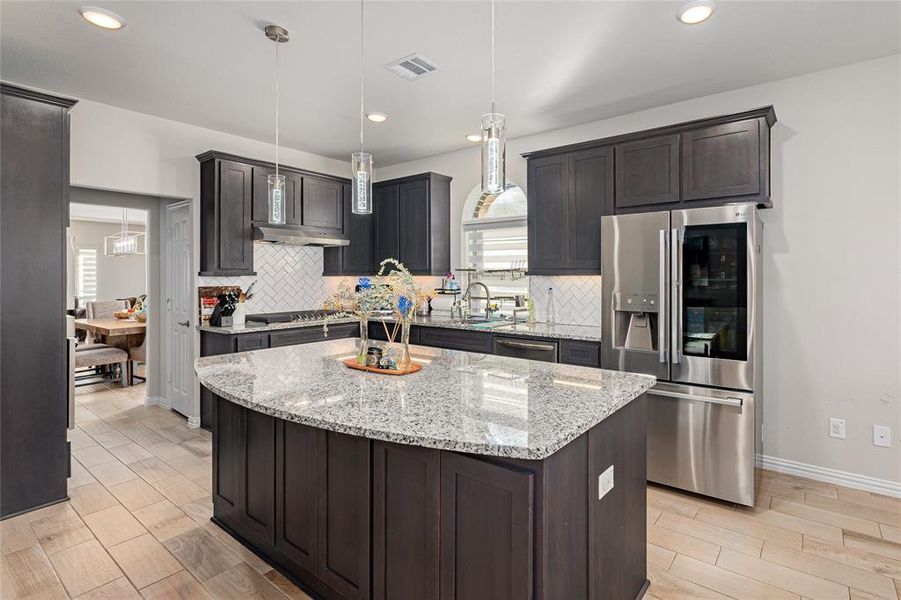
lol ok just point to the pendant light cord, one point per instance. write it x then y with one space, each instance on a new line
278 37
492 56
361 76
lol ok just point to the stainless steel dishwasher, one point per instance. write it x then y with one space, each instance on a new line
528 349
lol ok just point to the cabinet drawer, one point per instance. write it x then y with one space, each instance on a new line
454 339
256 341
291 337
377 332
585 354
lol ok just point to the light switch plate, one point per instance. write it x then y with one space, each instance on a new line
837 428
882 436
605 482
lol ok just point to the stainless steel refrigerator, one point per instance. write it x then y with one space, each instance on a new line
681 301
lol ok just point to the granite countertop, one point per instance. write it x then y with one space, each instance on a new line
460 401
256 327
536 330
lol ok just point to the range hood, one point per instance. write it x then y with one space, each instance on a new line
298 236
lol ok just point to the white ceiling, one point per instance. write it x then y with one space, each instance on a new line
559 63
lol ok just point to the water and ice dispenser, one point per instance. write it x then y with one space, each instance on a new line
636 317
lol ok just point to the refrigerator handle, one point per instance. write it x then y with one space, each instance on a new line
676 287
662 315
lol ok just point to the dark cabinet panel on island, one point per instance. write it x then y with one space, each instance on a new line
297 494
411 220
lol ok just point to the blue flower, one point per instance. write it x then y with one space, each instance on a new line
364 283
404 305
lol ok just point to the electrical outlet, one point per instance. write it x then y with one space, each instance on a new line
605 482
882 436
837 428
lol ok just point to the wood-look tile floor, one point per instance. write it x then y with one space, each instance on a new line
137 525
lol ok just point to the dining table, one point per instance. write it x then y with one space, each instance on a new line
119 333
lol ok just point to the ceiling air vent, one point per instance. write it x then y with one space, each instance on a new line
411 67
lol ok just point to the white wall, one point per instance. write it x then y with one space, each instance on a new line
832 261
121 150
117 276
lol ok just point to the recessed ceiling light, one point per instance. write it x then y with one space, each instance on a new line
102 17
696 12
377 117
474 137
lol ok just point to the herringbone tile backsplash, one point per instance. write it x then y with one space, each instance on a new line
290 278
578 298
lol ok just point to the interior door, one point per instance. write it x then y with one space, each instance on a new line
713 264
179 308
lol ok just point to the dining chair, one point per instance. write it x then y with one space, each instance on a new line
136 355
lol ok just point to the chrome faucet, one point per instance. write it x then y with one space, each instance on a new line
468 298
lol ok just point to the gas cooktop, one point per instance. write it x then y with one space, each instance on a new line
289 316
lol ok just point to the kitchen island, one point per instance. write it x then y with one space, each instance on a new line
477 477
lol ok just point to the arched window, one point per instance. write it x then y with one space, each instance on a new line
495 237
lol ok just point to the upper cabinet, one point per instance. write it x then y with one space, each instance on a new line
356 258
708 162
234 196
411 221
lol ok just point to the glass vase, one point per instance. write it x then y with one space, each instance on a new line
363 346
405 359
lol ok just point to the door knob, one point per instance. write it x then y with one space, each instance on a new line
184 323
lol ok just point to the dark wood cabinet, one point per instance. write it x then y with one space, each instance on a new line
723 161
234 197
297 494
412 222
251 341
228 461
34 213
293 196
569 193
258 475
355 258
405 522
226 233
647 171
456 339
344 518
585 354
708 162
486 521
323 204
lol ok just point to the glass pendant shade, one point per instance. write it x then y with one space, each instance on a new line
124 243
494 150
276 199
361 167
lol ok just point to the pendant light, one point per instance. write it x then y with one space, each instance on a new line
279 35
124 243
494 138
361 162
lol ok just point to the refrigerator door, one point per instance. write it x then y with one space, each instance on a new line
634 287
714 309
703 440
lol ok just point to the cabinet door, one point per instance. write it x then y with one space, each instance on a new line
647 172
486 521
251 341
414 226
293 337
234 229
721 161
228 461
385 213
297 489
548 203
323 204
258 514
455 339
343 542
406 483
592 197
357 257
261 196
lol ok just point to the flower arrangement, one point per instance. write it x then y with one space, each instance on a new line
394 291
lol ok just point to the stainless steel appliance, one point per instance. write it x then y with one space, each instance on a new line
528 349
298 235
681 301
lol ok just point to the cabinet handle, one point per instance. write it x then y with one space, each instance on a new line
524 345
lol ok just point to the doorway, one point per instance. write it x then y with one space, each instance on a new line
178 334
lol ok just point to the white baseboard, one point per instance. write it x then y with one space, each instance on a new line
156 401
193 422
834 476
